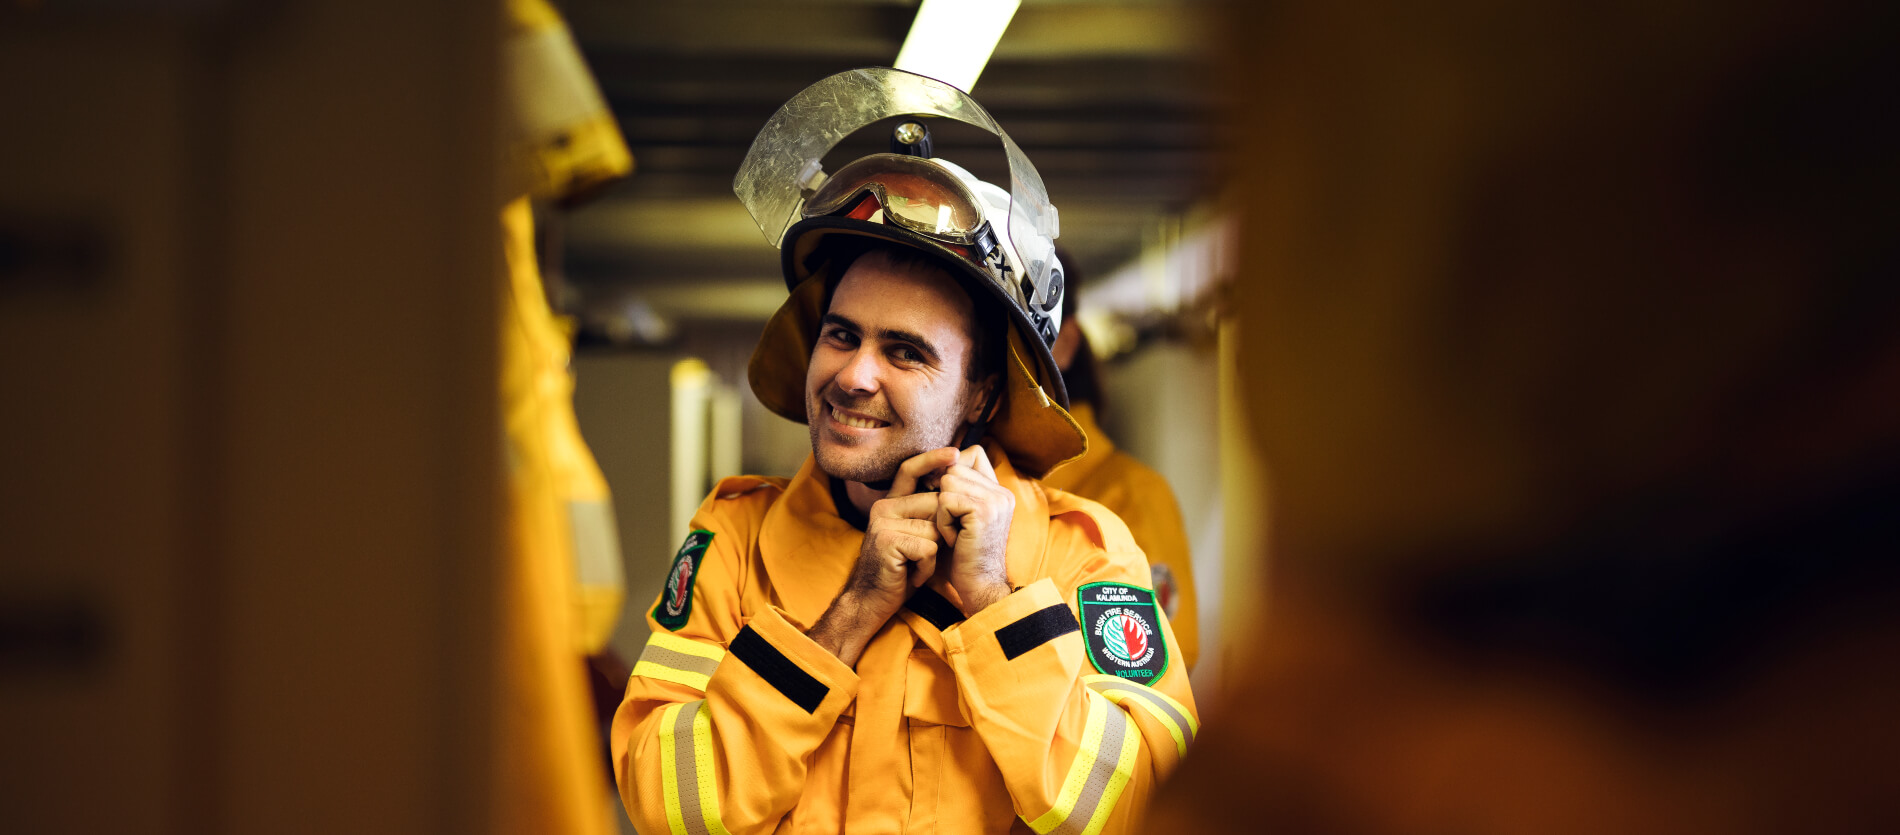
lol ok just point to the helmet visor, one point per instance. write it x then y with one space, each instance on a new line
781 169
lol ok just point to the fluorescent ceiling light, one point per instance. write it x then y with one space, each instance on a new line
951 40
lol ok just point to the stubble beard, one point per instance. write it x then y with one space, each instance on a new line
879 465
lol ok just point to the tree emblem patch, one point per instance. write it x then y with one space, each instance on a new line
676 598
1122 630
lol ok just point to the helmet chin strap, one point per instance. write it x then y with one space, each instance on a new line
981 425
971 436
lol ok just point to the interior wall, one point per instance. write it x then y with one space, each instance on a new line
623 402
771 445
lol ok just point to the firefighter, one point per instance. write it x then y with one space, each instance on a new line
910 633
1133 490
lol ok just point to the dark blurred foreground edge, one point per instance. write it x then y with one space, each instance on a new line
1569 336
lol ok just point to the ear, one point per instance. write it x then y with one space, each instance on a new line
1067 341
982 398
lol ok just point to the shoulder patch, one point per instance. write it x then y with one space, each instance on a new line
1122 631
676 599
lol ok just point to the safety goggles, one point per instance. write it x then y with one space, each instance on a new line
913 193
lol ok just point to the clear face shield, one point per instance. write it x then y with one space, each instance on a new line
782 179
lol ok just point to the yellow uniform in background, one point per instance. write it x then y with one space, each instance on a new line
545 739
735 721
560 582
1142 498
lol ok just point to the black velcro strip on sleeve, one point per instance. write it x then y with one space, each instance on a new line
934 608
777 670
1035 629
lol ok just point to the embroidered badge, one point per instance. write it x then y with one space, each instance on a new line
1122 629
676 599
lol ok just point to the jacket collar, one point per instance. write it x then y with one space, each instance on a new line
1100 448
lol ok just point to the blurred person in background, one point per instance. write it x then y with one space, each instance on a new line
1569 333
911 633
1133 490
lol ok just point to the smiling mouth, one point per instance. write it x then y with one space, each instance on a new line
854 421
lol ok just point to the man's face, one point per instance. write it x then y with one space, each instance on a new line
887 377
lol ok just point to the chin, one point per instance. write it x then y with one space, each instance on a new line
854 467
849 462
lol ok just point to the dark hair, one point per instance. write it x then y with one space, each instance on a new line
986 345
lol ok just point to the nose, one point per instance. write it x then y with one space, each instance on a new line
860 373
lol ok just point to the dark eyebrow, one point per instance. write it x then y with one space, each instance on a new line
890 335
840 321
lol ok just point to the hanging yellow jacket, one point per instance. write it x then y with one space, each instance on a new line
1142 498
561 137
1016 719
545 739
546 448
559 586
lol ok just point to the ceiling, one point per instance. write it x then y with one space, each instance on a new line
1111 101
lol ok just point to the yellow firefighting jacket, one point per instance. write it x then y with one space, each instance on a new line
734 721
1142 498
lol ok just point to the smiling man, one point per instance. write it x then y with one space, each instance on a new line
911 633
893 309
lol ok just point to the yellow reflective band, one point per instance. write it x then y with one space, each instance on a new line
1172 714
1124 771
690 788
679 660
1103 764
1085 754
688 646
708 781
669 770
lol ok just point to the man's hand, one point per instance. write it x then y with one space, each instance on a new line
973 515
899 554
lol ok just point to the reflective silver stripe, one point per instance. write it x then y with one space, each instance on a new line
664 657
1148 697
1107 756
688 778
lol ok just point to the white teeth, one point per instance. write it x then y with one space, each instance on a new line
856 423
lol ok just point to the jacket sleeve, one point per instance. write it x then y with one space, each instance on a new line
722 714
1079 751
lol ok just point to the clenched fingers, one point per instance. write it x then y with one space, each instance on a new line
918 553
925 528
972 482
912 506
977 459
910 547
916 467
968 498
